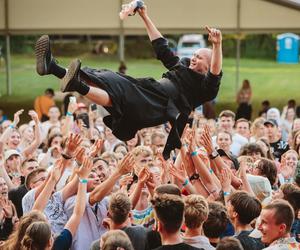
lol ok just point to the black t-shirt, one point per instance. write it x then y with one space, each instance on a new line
279 148
180 246
16 195
249 243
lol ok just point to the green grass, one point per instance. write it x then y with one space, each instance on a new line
275 82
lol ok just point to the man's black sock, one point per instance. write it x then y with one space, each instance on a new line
57 70
82 88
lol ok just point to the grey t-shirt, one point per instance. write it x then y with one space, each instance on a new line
136 234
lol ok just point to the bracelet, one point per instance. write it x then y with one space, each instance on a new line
84 181
185 182
69 113
211 171
226 193
194 153
11 126
65 156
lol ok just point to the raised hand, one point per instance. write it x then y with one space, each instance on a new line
72 107
57 171
84 171
34 116
178 173
225 179
125 180
206 140
7 207
143 175
126 164
97 147
17 117
73 143
79 155
214 35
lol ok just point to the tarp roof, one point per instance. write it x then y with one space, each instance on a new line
170 16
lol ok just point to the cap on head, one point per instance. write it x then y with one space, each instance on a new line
9 153
271 122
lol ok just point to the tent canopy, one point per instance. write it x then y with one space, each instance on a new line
101 16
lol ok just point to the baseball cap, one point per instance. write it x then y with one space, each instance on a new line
271 122
230 157
10 152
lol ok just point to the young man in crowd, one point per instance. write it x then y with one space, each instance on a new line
169 211
242 127
16 195
226 122
215 225
278 146
195 214
242 210
119 209
276 220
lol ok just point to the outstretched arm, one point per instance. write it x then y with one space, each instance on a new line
152 31
215 37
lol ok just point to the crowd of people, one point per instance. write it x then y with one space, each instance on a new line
69 183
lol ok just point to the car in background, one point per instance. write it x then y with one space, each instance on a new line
188 44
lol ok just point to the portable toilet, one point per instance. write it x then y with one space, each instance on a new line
288 48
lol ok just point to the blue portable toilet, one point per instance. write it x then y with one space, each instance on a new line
288 48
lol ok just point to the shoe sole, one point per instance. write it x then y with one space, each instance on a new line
69 76
42 46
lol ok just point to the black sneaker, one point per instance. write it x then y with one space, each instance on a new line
43 55
70 82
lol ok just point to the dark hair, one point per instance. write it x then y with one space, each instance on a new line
269 154
267 168
291 193
52 138
168 189
246 206
250 148
169 210
217 220
229 243
284 213
37 236
119 207
49 91
118 145
32 175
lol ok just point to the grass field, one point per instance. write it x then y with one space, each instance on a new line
269 80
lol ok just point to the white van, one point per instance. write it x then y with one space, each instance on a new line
188 44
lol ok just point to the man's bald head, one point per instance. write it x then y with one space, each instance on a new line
201 60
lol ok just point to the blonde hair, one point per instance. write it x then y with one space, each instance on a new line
196 211
142 150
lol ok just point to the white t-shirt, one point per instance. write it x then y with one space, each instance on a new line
90 227
54 210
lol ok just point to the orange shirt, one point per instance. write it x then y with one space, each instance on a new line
42 104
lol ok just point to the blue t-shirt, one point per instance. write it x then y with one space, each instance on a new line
63 241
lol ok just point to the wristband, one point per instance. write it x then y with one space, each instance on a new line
185 182
211 171
84 181
11 126
69 113
226 193
67 157
194 153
